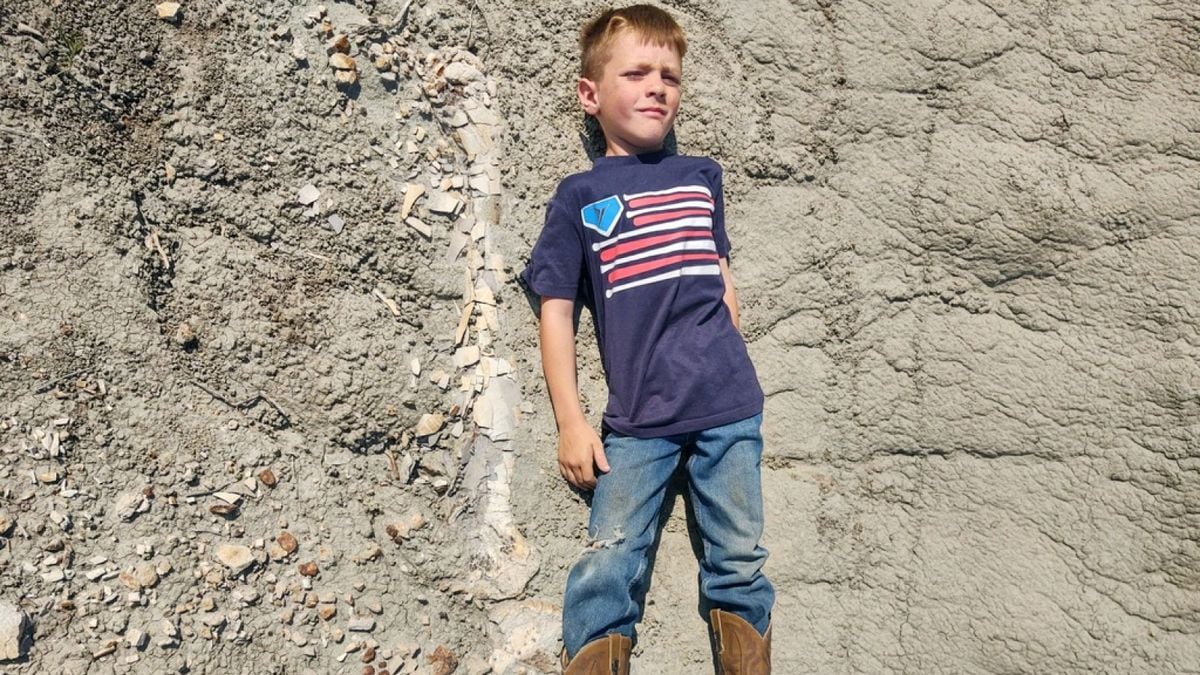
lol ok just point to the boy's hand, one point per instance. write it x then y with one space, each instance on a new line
580 453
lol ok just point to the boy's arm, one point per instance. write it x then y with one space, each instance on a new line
579 446
730 293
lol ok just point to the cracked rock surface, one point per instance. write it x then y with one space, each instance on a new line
966 248
270 398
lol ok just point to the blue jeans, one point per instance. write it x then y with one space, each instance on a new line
607 582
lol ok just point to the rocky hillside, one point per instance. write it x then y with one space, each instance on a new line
270 397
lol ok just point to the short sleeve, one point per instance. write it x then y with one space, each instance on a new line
718 220
555 266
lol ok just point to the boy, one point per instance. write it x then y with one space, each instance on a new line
640 240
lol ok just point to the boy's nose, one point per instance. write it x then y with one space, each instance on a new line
656 86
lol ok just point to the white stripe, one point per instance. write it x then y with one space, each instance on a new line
698 270
684 188
694 221
693 245
670 207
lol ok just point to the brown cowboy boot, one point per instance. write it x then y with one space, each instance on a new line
608 655
740 649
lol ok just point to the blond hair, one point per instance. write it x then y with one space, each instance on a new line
651 23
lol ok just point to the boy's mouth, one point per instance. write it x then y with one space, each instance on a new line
654 112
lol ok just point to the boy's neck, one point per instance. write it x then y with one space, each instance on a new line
610 151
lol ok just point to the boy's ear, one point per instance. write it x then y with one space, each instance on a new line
589 96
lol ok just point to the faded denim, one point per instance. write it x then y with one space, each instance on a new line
723 467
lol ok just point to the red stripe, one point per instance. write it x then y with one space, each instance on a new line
663 199
608 254
640 268
651 218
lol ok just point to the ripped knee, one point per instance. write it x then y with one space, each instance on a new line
597 544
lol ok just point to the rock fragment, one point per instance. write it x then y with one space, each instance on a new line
481 115
442 661
368 553
338 44
335 223
445 203
170 633
15 632
461 73
404 528
425 230
187 333
466 356
430 424
247 595
234 556
287 542
6 523
142 576
361 624
136 639
106 648
168 11
308 194
346 69
228 497
213 619
412 193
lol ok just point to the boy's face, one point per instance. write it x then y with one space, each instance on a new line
636 97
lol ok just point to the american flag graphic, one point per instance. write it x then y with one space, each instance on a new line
671 238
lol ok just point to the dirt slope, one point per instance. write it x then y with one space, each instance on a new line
256 418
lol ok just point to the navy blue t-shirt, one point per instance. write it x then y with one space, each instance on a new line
638 240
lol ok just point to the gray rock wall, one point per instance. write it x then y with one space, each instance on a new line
967 251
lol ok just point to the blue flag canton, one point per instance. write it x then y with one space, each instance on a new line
602 216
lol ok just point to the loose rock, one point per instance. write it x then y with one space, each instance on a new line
234 556
15 632
168 11
425 230
136 639
308 194
444 203
412 193
287 542
430 423
442 661
338 43
461 73
142 576
335 223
